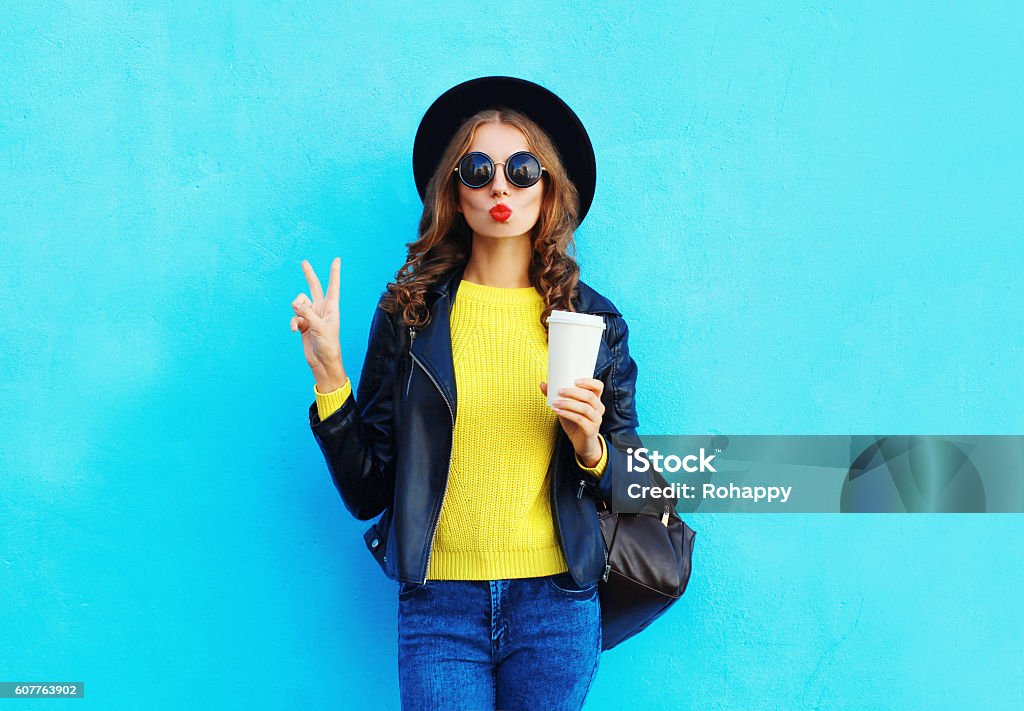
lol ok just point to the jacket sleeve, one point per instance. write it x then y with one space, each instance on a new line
618 426
357 439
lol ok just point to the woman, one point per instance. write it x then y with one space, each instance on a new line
488 495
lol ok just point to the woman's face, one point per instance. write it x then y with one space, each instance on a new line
499 141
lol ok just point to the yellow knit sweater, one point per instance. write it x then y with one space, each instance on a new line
496 520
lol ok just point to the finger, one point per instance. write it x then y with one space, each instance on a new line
580 394
303 299
591 384
303 308
334 285
585 424
577 406
314 283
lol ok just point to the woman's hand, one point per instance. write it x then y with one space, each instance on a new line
580 411
318 322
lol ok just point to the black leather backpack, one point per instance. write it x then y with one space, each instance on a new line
650 562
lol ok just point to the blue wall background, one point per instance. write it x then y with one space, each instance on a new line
810 216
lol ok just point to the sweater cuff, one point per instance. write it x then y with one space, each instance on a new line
328 403
598 469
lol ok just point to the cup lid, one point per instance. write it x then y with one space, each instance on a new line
575 318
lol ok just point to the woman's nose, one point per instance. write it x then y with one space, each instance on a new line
499 184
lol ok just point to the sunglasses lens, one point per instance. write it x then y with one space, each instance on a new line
476 170
523 170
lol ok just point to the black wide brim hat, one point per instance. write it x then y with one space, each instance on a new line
561 123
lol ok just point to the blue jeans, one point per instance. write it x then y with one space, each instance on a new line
524 643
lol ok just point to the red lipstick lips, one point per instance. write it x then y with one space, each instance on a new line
501 212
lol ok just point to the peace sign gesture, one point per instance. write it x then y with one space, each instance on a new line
318 322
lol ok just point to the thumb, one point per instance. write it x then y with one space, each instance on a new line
544 387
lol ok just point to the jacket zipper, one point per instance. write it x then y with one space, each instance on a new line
604 547
554 507
451 413
412 339
553 470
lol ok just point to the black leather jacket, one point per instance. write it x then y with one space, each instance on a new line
389 449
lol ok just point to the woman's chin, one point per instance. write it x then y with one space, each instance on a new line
499 230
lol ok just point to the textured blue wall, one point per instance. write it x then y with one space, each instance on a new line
810 217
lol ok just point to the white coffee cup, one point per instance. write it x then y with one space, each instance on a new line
574 341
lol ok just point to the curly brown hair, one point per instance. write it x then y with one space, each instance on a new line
445 238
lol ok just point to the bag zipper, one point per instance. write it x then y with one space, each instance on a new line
604 547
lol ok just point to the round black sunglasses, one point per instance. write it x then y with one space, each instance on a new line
522 169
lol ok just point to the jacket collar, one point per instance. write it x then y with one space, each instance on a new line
433 345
